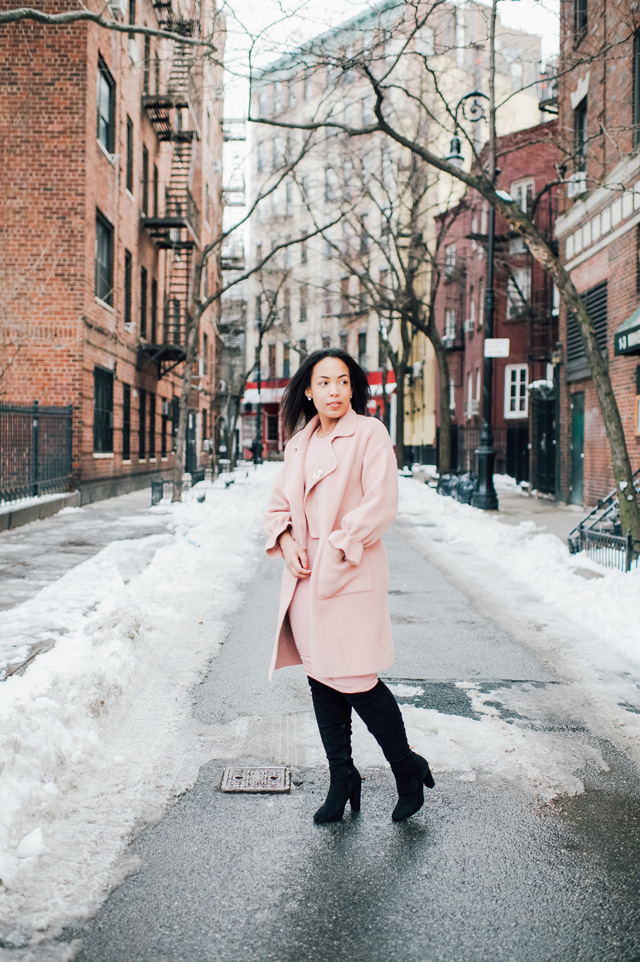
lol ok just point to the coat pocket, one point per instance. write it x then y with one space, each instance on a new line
337 577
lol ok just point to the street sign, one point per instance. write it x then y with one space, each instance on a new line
497 347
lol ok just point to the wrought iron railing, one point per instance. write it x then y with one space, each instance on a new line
607 549
35 450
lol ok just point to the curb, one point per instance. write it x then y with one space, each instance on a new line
14 517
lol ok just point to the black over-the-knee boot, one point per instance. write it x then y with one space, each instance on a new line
380 712
333 714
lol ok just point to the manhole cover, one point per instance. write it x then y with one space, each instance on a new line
257 780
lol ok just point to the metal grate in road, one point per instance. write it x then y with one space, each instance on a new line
257 780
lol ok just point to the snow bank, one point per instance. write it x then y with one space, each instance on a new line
98 734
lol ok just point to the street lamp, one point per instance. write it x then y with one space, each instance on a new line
484 496
257 458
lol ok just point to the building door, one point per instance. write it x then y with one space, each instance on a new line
545 445
518 451
191 459
577 448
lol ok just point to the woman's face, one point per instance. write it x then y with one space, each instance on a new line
330 388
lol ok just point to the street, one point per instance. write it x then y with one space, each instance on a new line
526 849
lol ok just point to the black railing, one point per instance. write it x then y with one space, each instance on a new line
35 450
609 550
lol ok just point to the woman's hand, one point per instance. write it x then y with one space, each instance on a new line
295 557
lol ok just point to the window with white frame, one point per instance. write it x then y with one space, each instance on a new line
450 256
450 322
522 192
516 398
518 291
469 404
452 394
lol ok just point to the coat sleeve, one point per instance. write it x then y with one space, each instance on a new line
278 517
363 526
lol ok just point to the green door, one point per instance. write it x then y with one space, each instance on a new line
577 448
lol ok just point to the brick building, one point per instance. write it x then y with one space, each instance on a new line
110 144
524 394
328 292
599 232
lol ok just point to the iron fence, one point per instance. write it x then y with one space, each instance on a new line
35 450
610 550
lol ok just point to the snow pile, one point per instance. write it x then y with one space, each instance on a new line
98 733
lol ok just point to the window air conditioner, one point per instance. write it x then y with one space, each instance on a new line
118 8
448 340
577 183
469 326
474 406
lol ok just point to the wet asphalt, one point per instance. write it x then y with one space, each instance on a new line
486 871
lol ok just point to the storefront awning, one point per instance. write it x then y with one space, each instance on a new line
268 395
627 337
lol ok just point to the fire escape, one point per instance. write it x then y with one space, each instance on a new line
174 223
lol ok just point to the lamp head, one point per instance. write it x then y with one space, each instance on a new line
454 157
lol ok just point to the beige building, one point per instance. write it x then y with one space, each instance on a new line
371 204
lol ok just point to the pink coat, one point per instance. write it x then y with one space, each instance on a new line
350 627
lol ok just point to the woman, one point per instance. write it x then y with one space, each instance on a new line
336 495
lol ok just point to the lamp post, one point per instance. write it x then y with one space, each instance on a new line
258 442
485 494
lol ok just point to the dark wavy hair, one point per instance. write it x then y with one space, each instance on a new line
295 406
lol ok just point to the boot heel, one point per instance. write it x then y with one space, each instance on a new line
428 778
354 798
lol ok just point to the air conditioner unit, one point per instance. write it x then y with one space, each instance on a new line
469 326
577 183
448 340
118 8
474 406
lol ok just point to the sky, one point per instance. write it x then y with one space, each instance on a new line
281 24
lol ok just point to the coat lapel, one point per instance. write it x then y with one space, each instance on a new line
346 426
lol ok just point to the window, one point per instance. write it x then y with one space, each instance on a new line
580 135
636 89
142 418
344 340
450 323
478 382
102 411
128 285
450 258
154 311
304 254
364 235
272 427
288 198
362 350
205 354
286 359
258 309
328 250
104 260
516 398
152 425
147 63
303 304
329 185
126 422
579 18
106 107
469 404
522 192
175 417
271 354
326 341
164 429
145 181
302 344
130 155
286 309
143 302
452 394
518 291
204 426
155 190
328 305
